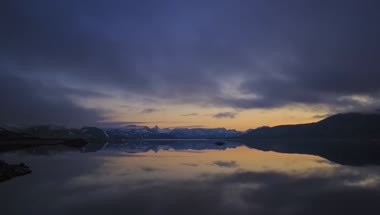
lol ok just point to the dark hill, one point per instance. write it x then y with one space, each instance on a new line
6 134
339 126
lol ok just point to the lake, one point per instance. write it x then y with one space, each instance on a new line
185 177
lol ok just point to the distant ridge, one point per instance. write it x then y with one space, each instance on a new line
339 126
6 134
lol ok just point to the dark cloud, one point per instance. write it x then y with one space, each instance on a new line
190 126
126 123
125 106
149 169
32 102
190 114
225 115
150 110
122 123
323 116
298 52
226 164
190 164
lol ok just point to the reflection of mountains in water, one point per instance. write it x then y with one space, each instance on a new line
145 146
342 152
346 152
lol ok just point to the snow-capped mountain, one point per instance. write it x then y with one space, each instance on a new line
138 132
144 132
129 132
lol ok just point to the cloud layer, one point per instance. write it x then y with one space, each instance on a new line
244 55
224 115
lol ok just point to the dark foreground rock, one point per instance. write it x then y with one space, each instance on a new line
9 171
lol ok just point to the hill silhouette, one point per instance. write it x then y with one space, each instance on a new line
339 126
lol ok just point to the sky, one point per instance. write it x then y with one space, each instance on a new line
203 63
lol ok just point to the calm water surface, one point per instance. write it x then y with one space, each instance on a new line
185 177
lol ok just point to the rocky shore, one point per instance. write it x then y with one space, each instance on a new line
9 171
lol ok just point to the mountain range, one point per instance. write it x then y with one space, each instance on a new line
351 138
339 126
131 132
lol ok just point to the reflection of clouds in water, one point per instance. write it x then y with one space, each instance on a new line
372 181
177 183
190 164
190 151
240 192
226 164
149 169
133 155
237 193
325 162
232 194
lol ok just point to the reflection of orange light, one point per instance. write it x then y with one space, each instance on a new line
173 165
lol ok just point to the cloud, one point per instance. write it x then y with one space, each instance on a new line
150 110
226 164
190 126
226 56
121 123
190 164
190 114
28 102
323 116
150 169
225 115
125 106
